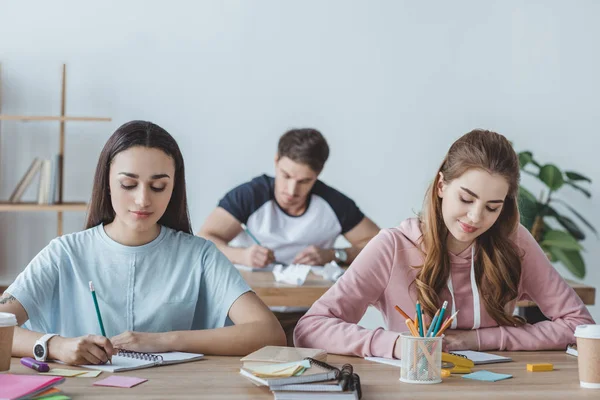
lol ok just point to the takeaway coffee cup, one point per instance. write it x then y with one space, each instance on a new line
8 322
588 359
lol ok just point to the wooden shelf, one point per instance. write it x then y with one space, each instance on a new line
16 207
50 118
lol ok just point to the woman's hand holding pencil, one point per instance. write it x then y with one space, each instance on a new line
90 349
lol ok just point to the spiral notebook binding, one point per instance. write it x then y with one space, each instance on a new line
140 355
346 376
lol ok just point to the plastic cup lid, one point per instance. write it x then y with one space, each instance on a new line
588 331
7 319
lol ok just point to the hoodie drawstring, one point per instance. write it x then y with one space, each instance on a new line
476 301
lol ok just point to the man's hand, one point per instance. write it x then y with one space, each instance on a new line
258 256
455 339
139 341
312 255
90 349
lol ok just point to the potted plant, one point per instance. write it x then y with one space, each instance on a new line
544 221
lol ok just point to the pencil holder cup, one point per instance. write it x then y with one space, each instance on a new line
421 359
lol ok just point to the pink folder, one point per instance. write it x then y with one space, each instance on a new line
16 387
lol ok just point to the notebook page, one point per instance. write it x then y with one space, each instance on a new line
389 361
175 357
121 364
482 358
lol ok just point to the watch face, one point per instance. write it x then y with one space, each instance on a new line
341 255
38 350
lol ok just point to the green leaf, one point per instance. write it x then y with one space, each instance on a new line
528 207
560 239
525 158
570 226
571 259
564 203
575 176
582 190
551 176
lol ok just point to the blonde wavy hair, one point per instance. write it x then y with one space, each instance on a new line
497 258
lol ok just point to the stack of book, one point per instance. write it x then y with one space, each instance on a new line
17 387
48 181
302 378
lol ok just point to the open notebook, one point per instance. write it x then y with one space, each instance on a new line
128 360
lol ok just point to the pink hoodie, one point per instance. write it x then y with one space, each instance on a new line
381 276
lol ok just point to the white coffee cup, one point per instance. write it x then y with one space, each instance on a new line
588 359
8 322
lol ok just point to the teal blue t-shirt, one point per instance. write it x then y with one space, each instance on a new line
176 282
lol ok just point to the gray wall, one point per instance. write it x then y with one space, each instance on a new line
390 83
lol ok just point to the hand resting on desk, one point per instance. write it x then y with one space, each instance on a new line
456 339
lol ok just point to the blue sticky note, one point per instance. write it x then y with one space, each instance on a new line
487 376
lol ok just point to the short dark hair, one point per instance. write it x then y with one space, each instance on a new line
305 146
145 134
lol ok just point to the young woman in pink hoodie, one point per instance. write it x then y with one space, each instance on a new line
468 248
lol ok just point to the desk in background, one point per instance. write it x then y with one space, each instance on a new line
281 294
218 378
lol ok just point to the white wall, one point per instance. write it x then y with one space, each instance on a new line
390 83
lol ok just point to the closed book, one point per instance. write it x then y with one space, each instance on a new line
349 389
326 386
17 387
282 354
25 181
44 186
317 372
353 395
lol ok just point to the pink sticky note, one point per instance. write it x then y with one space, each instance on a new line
120 381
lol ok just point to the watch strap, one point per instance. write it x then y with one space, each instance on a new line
43 341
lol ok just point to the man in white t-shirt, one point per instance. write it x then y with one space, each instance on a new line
293 217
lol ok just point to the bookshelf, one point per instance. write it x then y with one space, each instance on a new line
61 205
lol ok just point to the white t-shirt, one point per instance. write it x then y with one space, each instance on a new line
329 213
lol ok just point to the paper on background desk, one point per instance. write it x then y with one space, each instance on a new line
330 271
295 274
268 268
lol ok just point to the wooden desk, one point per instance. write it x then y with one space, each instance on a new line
280 294
218 378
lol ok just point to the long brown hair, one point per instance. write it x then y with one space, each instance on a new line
497 258
146 134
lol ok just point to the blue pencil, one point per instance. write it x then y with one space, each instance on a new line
420 318
440 319
433 321
245 228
